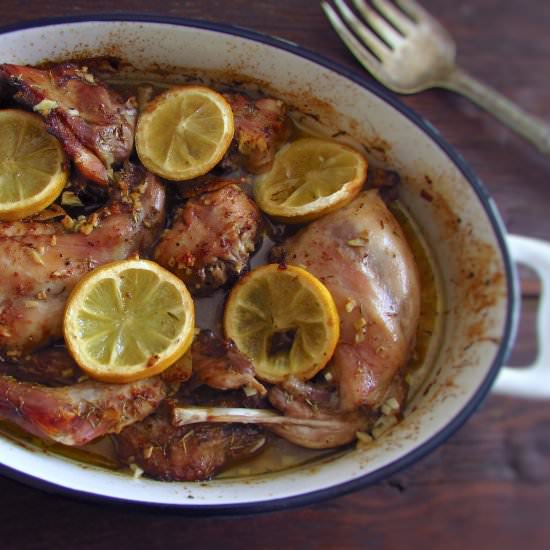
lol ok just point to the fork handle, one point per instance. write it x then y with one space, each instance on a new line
531 128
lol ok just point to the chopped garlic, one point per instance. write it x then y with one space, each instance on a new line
249 391
360 323
36 256
147 452
58 274
351 304
68 223
357 242
86 228
390 407
45 106
328 376
137 472
364 437
68 198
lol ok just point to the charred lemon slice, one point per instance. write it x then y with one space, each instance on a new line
33 168
128 320
310 178
184 132
285 320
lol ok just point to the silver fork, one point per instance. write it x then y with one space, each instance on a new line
408 51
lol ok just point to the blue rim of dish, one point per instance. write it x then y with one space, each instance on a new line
488 204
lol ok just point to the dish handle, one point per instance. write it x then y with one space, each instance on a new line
532 381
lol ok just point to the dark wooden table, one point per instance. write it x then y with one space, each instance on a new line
489 485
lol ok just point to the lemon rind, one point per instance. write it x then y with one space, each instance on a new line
121 373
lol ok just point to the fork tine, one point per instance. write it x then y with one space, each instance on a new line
397 17
369 61
375 44
378 23
420 15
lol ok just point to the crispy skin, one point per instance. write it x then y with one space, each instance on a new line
211 239
361 255
261 127
78 414
40 262
219 364
189 453
95 125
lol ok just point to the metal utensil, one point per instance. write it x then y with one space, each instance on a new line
408 51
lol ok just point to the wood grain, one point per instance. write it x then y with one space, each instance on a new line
489 485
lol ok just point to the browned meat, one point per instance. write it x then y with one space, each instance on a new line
40 262
187 453
219 364
178 373
55 367
75 415
261 127
297 399
50 367
204 184
95 125
386 181
191 395
211 240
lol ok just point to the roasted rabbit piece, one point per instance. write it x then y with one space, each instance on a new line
186 453
53 400
361 255
261 127
95 125
219 364
41 262
78 414
211 239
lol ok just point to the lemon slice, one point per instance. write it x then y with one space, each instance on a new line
184 132
285 320
310 178
128 320
33 168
